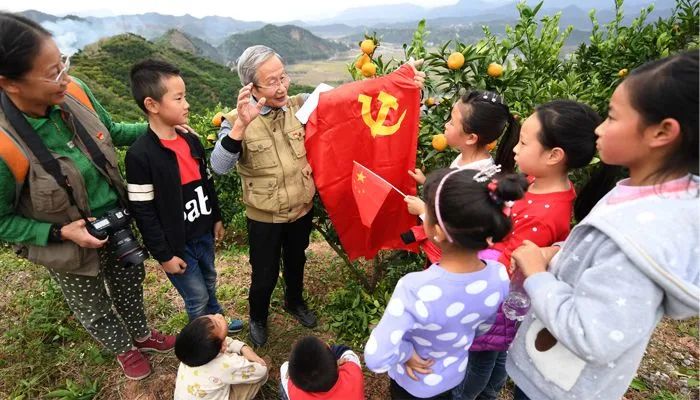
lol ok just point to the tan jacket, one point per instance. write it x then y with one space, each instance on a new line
275 175
42 199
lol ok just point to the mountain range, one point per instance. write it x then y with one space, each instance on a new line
222 39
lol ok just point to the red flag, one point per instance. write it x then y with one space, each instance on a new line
374 122
370 191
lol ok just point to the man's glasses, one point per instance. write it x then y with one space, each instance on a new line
275 84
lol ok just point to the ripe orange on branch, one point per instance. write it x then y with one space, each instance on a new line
439 142
367 46
495 70
455 61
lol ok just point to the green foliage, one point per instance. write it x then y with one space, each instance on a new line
354 311
75 391
105 67
535 70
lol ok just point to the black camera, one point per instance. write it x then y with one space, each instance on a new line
116 225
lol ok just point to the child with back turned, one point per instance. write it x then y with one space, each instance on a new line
423 338
317 371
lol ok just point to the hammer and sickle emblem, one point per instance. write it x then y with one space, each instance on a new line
377 127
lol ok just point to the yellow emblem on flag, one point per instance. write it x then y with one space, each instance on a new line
377 127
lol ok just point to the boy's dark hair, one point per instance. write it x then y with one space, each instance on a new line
471 212
20 42
196 344
488 116
312 365
147 80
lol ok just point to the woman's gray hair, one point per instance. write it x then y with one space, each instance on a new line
252 57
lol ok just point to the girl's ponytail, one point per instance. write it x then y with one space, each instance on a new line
603 179
504 152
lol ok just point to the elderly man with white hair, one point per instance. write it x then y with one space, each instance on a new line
264 140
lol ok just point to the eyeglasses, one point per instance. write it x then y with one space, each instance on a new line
275 84
65 61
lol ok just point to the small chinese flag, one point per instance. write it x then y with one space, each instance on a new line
370 191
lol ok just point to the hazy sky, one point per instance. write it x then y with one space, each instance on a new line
249 10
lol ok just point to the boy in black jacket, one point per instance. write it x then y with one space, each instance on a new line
171 191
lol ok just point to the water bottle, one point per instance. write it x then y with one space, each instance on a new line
517 303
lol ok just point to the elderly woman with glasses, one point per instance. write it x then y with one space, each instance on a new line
57 153
264 140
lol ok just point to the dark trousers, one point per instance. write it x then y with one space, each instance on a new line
109 305
486 375
399 393
268 242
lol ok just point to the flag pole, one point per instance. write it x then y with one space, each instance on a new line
380 178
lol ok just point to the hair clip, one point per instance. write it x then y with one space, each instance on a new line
486 173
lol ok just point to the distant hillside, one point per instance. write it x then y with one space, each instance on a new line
443 29
291 42
185 42
105 66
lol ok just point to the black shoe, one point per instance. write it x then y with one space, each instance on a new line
302 314
258 333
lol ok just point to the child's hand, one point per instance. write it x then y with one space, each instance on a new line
218 231
342 361
415 205
418 175
529 258
417 364
175 265
250 355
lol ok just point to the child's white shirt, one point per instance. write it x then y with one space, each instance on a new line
213 380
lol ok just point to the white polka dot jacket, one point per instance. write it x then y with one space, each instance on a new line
633 260
435 314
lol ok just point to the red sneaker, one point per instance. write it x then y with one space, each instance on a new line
156 342
134 364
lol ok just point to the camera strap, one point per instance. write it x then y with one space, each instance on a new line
38 148
95 153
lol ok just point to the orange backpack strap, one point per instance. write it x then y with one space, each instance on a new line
15 159
77 91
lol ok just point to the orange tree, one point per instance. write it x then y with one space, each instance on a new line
527 66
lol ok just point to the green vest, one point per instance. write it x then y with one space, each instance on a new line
42 199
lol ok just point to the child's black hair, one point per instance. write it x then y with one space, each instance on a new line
312 365
666 88
197 344
20 43
471 212
147 80
486 115
566 124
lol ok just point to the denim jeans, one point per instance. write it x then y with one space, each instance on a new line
197 285
485 376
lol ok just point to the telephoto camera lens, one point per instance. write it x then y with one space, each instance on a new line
127 248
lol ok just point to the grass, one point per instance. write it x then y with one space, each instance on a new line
46 354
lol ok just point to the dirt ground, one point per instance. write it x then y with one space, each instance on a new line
669 367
